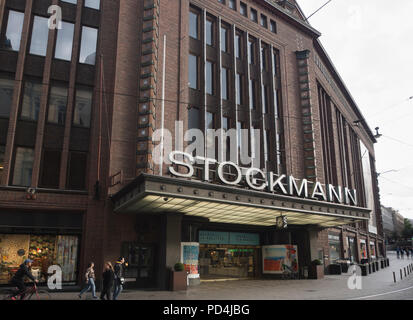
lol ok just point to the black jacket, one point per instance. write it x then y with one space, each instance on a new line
22 273
108 277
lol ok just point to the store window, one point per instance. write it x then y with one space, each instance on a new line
40 33
372 250
335 247
83 107
94 4
64 42
6 97
11 40
23 167
44 250
57 105
363 249
31 101
88 45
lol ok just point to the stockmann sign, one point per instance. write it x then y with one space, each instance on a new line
259 180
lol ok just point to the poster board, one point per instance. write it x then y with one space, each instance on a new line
190 258
279 259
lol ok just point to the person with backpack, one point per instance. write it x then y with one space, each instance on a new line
19 277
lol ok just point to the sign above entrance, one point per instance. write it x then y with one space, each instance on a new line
230 238
257 179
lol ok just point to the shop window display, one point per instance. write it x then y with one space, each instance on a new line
44 250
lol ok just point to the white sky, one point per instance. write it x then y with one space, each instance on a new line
371 45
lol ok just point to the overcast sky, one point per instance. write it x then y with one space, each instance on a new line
370 43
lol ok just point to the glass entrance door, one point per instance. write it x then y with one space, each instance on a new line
141 263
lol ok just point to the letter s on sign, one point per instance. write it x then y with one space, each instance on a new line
189 166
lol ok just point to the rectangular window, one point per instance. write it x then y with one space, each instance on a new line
94 4
31 101
57 105
221 1
193 25
193 71
225 123
254 15
273 26
50 171
209 32
6 97
40 32
265 99
232 4
263 21
88 45
76 172
193 118
23 167
210 120
252 94
2 154
264 57
70 1
224 39
209 78
274 62
224 83
238 83
243 9
251 51
238 46
64 42
14 29
83 107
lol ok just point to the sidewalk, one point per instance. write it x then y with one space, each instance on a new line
332 287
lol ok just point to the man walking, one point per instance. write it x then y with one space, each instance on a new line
119 279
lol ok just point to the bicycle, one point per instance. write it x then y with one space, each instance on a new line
32 293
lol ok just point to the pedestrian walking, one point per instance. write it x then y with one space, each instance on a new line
407 253
398 252
402 253
108 278
90 281
119 279
411 252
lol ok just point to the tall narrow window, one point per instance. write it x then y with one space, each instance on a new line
50 169
88 45
64 42
57 105
238 46
274 62
83 107
264 21
209 30
265 99
224 39
273 26
13 35
263 57
2 153
232 4
252 94
31 101
77 171
193 25
209 78
224 83
40 34
94 4
251 51
193 122
6 97
193 71
243 9
254 15
23 167
238 83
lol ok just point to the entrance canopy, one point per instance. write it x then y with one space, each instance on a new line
158 194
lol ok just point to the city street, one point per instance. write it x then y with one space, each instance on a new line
377 286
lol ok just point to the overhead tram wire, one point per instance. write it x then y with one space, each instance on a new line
306 19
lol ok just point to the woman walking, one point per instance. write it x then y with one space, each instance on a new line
108 277
90 281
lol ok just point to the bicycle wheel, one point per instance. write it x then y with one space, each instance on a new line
41 295
6 294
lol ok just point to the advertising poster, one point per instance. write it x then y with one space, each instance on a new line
279 259
190 258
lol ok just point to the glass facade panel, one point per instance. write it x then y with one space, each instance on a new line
193 25
31 101
83 108
193 71
94 4
224 84
57 105
13 31
209 78
64 42
209 32
23 167
40 32
6 97
88 45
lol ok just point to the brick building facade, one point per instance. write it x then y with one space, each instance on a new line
80 174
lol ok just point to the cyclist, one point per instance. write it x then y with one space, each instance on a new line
20 275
